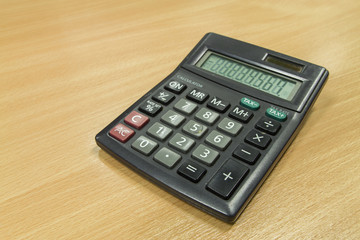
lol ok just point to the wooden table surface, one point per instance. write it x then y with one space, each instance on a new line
68 68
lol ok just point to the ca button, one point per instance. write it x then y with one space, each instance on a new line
136 120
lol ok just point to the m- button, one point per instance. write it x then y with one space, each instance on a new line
136 120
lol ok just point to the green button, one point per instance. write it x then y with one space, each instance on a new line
276 114
246 102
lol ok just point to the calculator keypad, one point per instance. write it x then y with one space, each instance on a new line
207 116
181 143
185 106
229 126
144 145
205 154
218 140
191 128
172 118
159 131
195 129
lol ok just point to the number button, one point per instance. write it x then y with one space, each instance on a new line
230 126
144 145
195 129
205 155
159 131
207 116
181 143
172 118
218 140
185 106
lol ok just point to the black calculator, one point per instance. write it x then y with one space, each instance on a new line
212 131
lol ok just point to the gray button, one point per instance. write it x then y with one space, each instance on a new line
167 157
159 131
181 143
218 140
144 145
185 106
195 129
230 126
205 154
207 116
172 118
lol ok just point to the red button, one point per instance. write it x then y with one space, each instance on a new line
121 132
136 120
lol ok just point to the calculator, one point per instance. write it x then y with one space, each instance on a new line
212 131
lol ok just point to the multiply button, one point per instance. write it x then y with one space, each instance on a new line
136 120
258 139
226 180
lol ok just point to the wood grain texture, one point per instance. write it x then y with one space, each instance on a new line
68 68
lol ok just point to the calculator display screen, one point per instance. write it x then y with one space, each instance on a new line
249 75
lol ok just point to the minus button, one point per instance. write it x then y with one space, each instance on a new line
246 154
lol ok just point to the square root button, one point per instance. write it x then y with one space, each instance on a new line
227 179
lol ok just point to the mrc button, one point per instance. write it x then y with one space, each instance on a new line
197 96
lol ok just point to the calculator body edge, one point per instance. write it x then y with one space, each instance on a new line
230 209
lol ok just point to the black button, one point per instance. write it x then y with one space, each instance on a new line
268 125
163 97
258 139
197 96
246 153
192 171
175 87
218 104
227 178
241 114
150 107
